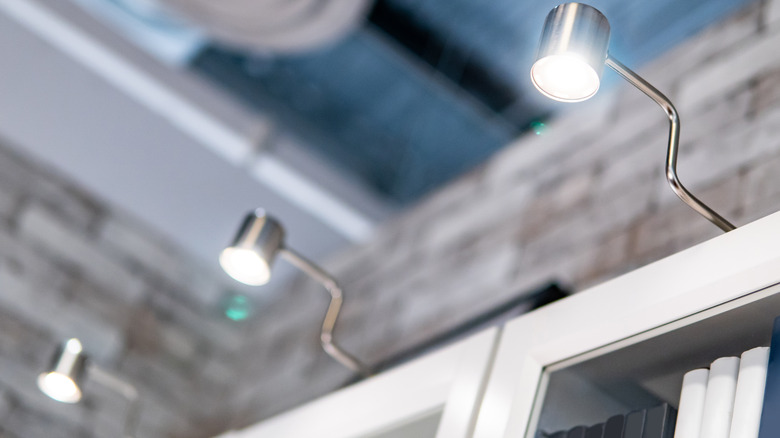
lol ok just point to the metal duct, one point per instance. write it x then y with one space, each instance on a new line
274 25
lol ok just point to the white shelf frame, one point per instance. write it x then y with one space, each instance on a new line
715 272
451 380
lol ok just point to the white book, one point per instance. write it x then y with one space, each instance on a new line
691 407
719 400
749 398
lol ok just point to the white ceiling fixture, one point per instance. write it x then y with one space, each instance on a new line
274 25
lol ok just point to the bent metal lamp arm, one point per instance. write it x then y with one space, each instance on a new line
329 323
249 258
674 142
572 53
127 390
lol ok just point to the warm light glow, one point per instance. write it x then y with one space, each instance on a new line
245 265
59 387
566 77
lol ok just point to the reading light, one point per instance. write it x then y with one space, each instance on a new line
568 67
572 52
70 367
249 259
65 377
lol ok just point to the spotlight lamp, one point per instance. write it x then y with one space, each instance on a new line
568 67
70 367
250 258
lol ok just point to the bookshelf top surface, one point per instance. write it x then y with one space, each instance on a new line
703 277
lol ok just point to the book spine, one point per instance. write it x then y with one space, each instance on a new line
635 422
691 407
749 398
659 422
613 428
595 431
719 399
770 419
576 432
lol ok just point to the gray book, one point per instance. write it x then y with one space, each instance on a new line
595 431
635 423
659 422
613 428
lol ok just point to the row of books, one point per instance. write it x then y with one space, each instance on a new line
726 400
736 397
657 422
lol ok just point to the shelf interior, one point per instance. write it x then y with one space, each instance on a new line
647 370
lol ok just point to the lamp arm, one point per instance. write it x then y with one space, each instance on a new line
674 141
126 390
336 299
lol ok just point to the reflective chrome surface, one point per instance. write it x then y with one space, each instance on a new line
70 368
329 324
126 390
250 258
571 54
575 39
64 378
674 142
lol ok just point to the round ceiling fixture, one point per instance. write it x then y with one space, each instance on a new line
274 25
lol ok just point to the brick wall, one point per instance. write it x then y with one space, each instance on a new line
582 203
71 266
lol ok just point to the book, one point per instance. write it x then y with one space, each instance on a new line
613 428
635 423
691 407
576 432
749 397
659 422
595 431
719 398
770 419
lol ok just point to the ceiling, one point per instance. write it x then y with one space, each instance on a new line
187 132
427 89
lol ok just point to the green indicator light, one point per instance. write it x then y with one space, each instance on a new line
538 127
237 307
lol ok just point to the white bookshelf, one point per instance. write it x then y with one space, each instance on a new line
625 344
619 346
437 395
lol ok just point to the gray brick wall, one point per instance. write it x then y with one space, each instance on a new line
72 266
582 203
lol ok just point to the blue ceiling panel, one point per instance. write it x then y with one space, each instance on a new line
429 89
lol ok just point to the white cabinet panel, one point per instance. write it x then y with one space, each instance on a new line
715 276
438 393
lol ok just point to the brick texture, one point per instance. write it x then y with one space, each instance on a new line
73 266
581 204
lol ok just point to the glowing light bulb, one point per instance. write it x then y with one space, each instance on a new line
565 77
245 265
59 387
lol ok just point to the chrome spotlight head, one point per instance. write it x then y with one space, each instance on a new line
64 379
250 257
572 52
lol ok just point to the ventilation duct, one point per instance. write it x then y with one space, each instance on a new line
274 25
